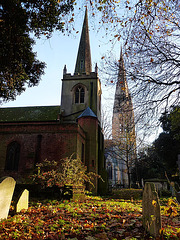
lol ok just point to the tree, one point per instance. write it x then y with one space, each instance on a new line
148 165
105 123
21 18
167 145
159 158
170 122
149 30
154 56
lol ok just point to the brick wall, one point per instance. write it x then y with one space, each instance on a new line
39 141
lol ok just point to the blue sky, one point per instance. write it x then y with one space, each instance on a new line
60 50
56 52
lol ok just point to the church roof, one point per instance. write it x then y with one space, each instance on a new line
26 114
83 62
87 113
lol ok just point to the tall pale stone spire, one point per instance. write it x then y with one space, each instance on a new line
83 62
122 92
123 114
123 127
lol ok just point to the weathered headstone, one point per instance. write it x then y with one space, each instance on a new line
22 201
7 185
151 210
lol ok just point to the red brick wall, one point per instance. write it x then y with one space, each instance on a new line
90 125
55 142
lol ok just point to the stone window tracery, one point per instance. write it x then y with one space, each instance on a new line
79 94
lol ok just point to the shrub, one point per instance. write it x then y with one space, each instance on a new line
68 171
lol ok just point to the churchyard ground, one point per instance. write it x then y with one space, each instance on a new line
95 218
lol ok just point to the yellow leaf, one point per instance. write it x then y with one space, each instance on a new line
174 213
154 203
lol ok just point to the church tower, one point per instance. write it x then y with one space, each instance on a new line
123 128
83 89
81 105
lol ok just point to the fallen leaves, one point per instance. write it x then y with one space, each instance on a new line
93 219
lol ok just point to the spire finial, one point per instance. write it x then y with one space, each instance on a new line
121 55
83 62
64 70
96 68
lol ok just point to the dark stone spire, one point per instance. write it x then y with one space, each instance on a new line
122 92
83 62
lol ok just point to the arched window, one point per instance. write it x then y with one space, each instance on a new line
12 156
79 95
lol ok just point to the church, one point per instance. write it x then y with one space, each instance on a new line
120 151
29 135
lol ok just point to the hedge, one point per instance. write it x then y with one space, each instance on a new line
127 194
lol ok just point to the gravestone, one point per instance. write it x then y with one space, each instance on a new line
22 201
151 210
7 185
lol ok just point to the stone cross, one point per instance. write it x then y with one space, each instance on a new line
7 185
151 210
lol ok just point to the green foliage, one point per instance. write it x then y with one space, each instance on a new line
153 161
75 173
167 145
167 149
175 122
68 171
170 121
148 165
20 18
